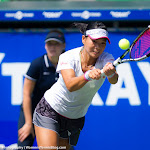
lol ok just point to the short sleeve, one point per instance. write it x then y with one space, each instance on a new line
33 72
65 62
108 58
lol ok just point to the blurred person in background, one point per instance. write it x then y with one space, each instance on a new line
40 76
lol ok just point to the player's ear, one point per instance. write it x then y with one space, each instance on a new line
83 39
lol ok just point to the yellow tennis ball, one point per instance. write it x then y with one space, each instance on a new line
124 44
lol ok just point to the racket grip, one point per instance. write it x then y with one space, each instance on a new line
116 62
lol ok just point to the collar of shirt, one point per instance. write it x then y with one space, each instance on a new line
47 61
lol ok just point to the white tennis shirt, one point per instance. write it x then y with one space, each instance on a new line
74 104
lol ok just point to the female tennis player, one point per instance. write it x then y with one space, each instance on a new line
59 116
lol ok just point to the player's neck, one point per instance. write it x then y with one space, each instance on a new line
86 63
86 59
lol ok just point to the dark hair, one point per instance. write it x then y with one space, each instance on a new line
83 27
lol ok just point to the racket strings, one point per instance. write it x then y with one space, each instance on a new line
141 46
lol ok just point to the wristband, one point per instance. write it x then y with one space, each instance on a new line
86 75
110 76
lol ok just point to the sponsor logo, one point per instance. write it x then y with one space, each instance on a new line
117 92
46 73
19 15
52 14
117 14
63 63
97 31
86 14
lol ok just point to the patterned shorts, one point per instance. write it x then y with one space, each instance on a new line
45 116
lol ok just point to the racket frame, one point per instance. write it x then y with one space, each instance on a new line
119 59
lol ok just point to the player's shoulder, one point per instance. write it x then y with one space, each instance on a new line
106 55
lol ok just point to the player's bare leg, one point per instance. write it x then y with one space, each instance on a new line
46 138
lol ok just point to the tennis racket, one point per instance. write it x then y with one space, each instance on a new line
138 50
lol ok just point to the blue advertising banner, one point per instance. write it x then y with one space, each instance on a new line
118 117
75 15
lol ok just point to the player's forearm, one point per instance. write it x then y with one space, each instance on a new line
75 83
113 79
